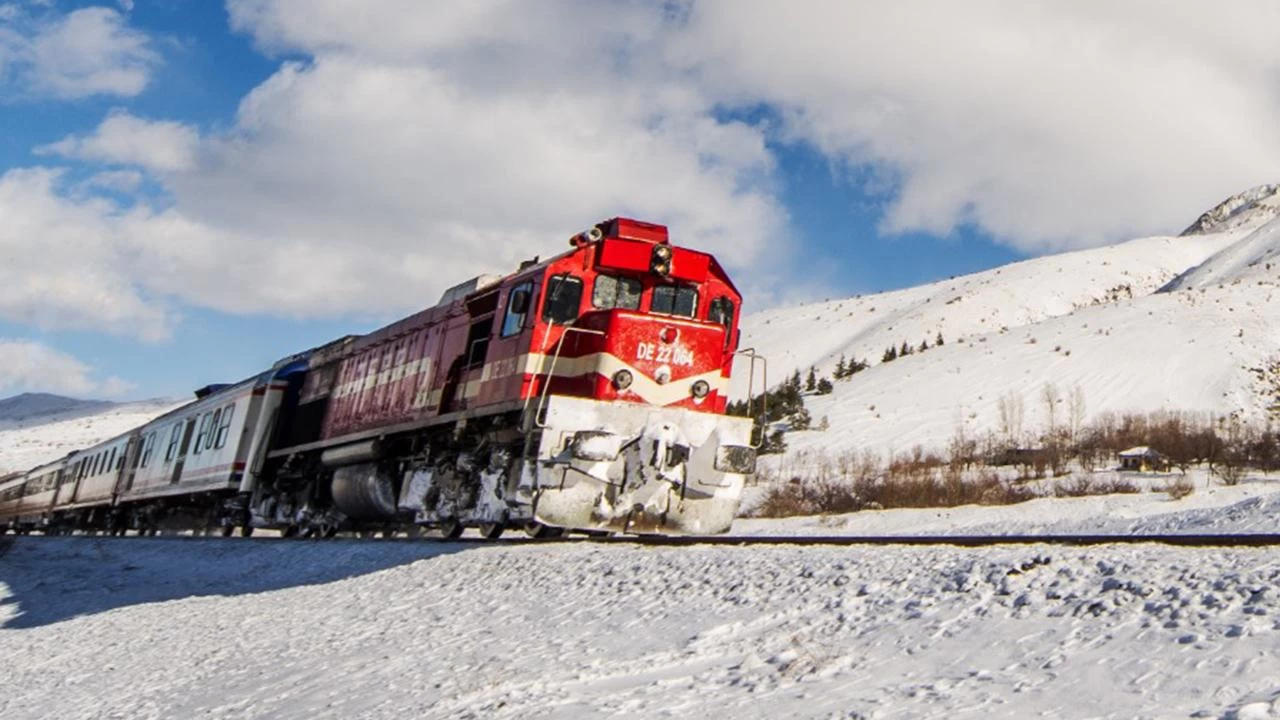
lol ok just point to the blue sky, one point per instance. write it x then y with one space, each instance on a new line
190 190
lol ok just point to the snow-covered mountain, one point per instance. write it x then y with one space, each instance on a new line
36 428
1185 323
29 406
1248 210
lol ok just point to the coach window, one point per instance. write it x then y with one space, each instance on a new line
616 292
202 434
214 424
148 445
674 300
174 438
223 427
563 298
517 309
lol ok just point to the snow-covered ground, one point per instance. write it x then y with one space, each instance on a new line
156 628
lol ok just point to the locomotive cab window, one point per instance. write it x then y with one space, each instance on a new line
721 311
674 300
562 300
616 292
517 309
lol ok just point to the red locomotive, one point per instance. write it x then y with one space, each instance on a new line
582 392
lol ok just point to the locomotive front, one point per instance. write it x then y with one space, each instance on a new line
630 387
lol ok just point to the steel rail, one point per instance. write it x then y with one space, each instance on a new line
964 541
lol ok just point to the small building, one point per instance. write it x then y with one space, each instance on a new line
1143 459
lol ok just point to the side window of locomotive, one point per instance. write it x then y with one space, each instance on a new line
562 299
616 292
675 300
518 302
721 311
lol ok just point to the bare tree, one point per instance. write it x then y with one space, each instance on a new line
1075 406
1049 394
1011 410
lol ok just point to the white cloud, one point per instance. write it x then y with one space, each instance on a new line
67 262
421 143
128 140
27 366
365 181
121 181
87 52
1052 125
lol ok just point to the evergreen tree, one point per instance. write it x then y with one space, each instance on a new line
939 341
811 382
890 355
924 344
906 349
794 382
773 444
842 369
824 387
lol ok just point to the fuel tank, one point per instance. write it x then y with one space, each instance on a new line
364 492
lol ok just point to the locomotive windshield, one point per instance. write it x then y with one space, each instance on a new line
674 300
616 292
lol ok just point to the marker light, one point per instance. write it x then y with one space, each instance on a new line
700 389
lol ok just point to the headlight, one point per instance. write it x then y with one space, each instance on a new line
622 380
700 389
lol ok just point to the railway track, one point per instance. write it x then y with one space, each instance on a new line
973 541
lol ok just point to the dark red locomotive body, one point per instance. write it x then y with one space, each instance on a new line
623 316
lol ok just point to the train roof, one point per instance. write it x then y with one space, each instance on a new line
52 466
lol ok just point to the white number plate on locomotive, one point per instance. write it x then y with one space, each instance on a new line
667 354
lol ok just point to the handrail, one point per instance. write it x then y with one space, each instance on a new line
753 356
550 371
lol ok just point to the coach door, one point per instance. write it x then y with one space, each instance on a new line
181 459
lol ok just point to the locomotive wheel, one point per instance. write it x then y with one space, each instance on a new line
538 531
492 531
451 529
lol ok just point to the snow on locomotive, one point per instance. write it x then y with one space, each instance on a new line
585 392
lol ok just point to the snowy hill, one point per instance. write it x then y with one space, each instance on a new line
1247 210
1177 323
38 428
1256 257
28 406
